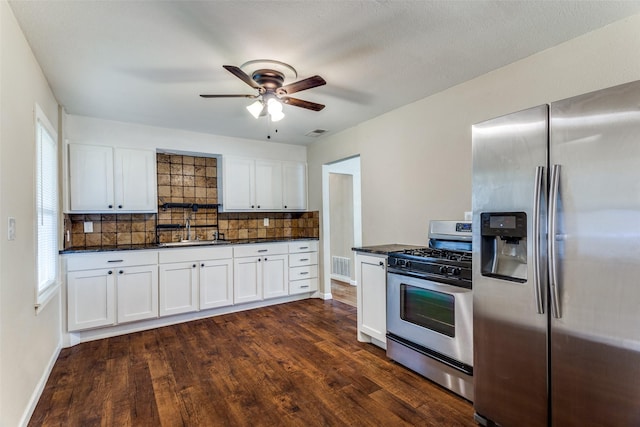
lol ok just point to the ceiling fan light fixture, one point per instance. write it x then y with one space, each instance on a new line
275 109
256 109
276 116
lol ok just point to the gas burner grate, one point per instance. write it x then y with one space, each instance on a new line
441 254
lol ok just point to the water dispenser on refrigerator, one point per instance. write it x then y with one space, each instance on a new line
504 245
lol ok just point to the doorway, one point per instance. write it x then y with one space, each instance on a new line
342 227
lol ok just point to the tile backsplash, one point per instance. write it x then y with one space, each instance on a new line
186 179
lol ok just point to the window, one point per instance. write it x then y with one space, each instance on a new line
46 208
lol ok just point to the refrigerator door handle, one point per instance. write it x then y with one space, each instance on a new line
537 200
551 242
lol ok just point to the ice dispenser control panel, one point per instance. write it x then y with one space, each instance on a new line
504 245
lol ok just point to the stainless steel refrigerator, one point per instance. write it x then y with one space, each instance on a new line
557 320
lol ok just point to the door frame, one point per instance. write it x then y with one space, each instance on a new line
347 166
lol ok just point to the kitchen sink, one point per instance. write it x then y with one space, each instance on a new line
193 243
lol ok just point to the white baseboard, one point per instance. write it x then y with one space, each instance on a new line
326 296
35 397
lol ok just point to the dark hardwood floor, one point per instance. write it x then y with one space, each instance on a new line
295 364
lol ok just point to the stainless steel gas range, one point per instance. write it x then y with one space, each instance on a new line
429 307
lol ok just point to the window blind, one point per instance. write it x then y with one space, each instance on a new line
46 205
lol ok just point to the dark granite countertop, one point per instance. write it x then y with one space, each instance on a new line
157 246
385 249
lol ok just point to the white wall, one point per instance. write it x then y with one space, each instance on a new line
88 130
416 160
29 342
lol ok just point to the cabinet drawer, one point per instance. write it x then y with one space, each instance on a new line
298 260
300 286
303 246
306 272
261 249
77 262
194 254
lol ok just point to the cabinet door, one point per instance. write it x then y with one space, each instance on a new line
268 185
135 180
372 296
178 288
137 293
294 185
91 178
275 276
247 279
238 183
90 299
216 283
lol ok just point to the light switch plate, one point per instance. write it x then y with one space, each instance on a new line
88 226
11 229
266 222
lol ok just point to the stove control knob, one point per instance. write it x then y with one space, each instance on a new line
443 270
455 271
407 264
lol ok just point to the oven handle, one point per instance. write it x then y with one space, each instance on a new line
537 199
551 241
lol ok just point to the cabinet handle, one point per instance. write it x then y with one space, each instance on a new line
285 206
110 272
381 264
259 259
252 206
202 265
110 206
115 260
304 286
120 272
263 250
193 266
302 273
304 247
119 206
258 206
304 259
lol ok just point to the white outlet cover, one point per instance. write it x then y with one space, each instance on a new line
266 222
88 226
11 228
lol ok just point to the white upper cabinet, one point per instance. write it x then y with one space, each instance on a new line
268 185
135 180
263 185
91 178
294 185
108 179
238 183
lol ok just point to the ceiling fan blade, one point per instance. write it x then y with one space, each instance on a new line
229 96
302 103
236 71
304 84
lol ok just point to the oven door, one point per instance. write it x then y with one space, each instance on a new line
431 314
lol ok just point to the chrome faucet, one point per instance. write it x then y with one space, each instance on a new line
188 226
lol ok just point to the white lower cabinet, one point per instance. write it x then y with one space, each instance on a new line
303 267
274 276
137 290
216 283
371 278
194 279
91 299
178 288
111 288
260 272
108 288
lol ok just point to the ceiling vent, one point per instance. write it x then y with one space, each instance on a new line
316 133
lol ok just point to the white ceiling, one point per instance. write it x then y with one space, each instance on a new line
147 61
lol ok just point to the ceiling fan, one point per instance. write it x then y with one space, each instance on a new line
272 92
